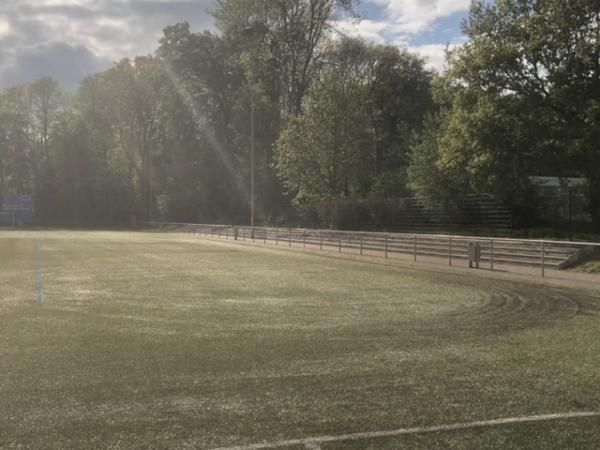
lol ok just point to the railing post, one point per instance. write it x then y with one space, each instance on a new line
361 246
304 239
243 233
415 247
253 235
276 236
321 241
265 236
492 255
543 259
290 237
386 247
450 251
340 245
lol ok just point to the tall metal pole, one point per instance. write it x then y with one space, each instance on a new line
150 170
252 111
257 29
150 193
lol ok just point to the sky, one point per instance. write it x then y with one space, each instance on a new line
70 39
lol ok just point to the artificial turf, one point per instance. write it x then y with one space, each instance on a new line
149 340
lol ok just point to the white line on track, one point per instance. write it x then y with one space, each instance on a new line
314 442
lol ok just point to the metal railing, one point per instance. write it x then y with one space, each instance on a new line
492 252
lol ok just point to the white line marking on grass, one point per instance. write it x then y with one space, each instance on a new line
39 283
314 442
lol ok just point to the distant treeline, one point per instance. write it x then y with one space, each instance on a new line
167 136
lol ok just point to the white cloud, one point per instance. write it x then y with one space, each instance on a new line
379 32
434 55
4 27
368 29
107 30
403 21
416 16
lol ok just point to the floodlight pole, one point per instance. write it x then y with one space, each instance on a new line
150 174
255 29
150 193
252 113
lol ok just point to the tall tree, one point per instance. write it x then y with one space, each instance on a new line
280 40
325 153
132 90
15 141
353 136
205 107
400 95
527 95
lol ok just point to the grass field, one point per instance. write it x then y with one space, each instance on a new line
162 341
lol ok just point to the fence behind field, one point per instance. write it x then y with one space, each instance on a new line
478 214
493 252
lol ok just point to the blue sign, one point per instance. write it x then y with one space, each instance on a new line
20 205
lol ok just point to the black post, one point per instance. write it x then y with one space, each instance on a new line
570 213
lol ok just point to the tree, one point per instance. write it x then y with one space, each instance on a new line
325 152
168 135
206 126
426 178
353 136
131 88
400 95
15 141
29 117
527 95
286 35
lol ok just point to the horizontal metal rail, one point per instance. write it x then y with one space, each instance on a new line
542 254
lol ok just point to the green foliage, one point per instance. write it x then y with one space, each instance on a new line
525 95
326 152
352 138
427 177
279 42
400 97
168 136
